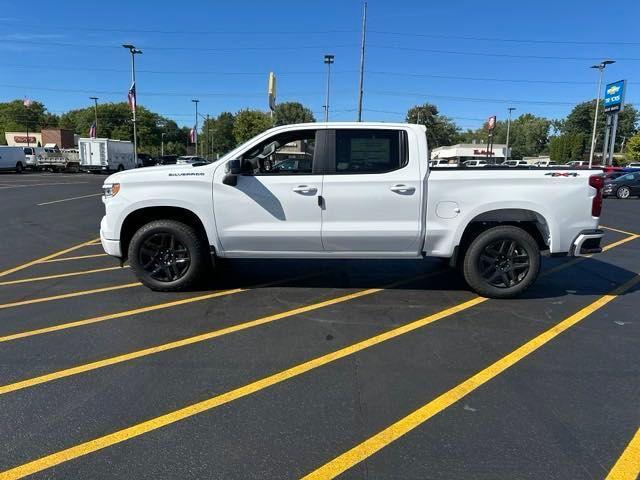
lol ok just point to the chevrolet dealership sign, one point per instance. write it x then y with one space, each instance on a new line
614 96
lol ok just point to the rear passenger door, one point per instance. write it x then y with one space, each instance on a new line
371 192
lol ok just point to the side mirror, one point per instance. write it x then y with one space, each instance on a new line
233 169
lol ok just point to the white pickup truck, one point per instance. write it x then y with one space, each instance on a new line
364 190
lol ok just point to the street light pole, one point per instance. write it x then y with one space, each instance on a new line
361 83
134 51
601 66
511 109
95 111
162 144
195 133
328 59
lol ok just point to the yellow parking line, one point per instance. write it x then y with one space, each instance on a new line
628 465
150 308
119 436
620 242
48 257
396 430
198 338
60 275
68 295
618 230
77 257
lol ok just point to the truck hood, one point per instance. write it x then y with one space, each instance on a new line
155 173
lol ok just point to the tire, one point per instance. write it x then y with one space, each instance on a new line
120 168
167 265
19 167
501 262
623 192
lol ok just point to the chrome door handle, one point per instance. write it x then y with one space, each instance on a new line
305 190
401 188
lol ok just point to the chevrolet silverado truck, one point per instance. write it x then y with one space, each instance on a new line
350 190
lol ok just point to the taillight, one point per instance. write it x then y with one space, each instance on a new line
597 182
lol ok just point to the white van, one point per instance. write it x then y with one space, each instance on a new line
475 163
104 154
12 158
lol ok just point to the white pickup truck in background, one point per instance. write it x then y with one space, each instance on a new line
364 190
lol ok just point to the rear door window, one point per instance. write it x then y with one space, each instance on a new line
369 151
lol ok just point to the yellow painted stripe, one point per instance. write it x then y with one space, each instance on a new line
48 257
620 242
61 275
78 257
393 432
150 308
69 295
197 338
112 316
213 402
618 230
628 465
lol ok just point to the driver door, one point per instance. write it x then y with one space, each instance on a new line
274 205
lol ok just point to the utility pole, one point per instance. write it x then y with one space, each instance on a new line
162 144
134 51
328 59
95 111
195 136
511 109
601 66
364 38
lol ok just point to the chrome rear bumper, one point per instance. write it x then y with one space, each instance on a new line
587 243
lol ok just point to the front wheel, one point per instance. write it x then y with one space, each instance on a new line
623 192
502 262
19 167
168 256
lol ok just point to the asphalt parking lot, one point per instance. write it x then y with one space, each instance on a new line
282 369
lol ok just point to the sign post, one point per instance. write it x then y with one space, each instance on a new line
272 92
613 104
491 124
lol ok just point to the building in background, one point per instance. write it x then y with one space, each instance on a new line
60 137
19 139
470 151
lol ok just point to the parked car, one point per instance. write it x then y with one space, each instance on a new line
189 159
545 163
624 186
442 162
475 163
516 163
31 156
634 165
368 194
168 160
292 165
577 163
146 160
613 175
12 158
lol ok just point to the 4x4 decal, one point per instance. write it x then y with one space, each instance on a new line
563 174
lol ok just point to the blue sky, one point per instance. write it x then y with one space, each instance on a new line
463 56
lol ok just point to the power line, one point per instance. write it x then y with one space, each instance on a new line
501 55
506 40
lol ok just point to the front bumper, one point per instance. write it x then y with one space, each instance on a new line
587 243
111 247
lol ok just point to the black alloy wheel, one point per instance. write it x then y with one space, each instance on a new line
504 263
164 257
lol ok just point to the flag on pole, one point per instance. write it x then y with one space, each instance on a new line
92 130
193 135
132 97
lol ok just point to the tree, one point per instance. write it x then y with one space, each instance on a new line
580 120
440 129
15 116
632 149
292 112
249 123
220 131
568 147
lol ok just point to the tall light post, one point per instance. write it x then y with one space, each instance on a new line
132 91
162 144
511 109
95 111
195 133
600 66
362 47
328 59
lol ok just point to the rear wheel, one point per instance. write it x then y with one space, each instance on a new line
120 168
623 192
502 262
19 167
167 255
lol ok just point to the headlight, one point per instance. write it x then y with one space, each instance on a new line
110 189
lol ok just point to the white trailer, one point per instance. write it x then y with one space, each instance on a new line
104 154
